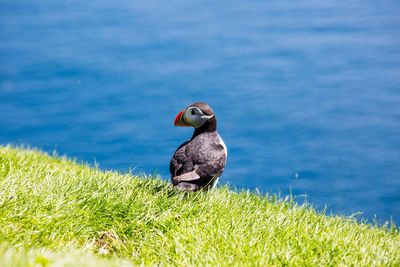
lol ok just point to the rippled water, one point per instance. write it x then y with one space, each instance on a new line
307 93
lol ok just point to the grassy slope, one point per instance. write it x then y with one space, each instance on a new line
52 209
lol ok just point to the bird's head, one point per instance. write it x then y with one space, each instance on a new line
195 115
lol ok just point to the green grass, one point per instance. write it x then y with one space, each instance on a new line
11 257
54 211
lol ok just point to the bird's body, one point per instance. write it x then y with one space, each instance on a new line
198 163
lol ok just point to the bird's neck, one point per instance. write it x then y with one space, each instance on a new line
209 126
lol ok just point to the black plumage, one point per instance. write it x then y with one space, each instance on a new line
198 163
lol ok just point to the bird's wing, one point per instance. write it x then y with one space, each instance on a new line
213 168
189 176
178 160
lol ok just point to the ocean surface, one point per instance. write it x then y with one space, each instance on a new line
307 93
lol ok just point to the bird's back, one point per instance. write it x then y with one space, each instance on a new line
204 156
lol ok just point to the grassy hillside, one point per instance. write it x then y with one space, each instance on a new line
55 211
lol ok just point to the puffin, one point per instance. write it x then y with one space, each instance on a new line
198 163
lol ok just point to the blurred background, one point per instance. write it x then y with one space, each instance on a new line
307 93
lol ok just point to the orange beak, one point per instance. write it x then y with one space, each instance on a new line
180 120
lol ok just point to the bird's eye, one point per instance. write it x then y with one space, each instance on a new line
193 112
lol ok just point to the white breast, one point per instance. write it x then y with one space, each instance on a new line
221 142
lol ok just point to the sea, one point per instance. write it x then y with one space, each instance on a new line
306 93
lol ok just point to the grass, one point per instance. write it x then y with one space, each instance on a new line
56 212
11 257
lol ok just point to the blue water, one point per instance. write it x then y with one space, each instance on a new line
307 93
